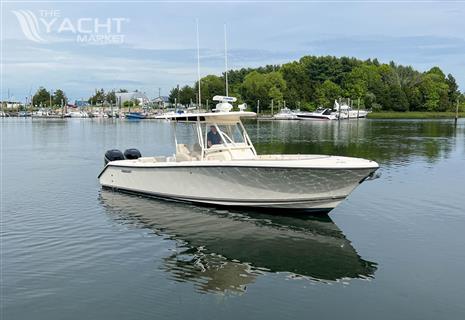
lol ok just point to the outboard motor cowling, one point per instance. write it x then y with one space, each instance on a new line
113 155
131 154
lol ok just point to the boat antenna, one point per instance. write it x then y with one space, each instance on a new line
226 61
198 63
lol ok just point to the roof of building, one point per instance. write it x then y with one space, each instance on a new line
161 99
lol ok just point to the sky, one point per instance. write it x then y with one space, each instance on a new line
151 46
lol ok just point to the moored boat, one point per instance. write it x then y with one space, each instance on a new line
318 114
344 111
285 114
135 115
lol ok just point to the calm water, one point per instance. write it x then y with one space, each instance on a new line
394 249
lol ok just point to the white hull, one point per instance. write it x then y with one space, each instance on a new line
284 117
318 116
285 114
77 114
310 182
352 114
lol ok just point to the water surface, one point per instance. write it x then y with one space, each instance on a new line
393 249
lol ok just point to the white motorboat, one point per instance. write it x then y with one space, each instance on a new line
41 113
318 114
166 116
77 114
344 111
215 163
285 114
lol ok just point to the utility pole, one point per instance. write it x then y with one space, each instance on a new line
457 112
226 62
258 107
272 106
178 97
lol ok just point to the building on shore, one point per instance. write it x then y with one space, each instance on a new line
11 104
161 102
139 98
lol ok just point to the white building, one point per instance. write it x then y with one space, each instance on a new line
122 97
11 104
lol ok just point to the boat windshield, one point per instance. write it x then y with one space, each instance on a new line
212 140
187 141
223 134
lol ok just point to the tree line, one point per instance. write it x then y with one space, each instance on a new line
57 98
314 81
45 98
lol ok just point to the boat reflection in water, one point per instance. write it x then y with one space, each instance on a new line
224 251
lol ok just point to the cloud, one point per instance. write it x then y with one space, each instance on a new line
78 69
159 44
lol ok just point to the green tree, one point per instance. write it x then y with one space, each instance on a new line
254 88
183 95
298 86
397 100
98 97
327 92
186 95
110 97
434 93
453 89
275 94
41 98
131 103
313 81
210 86
258 86
414 97
59 98
173 96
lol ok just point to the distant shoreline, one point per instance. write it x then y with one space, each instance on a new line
414 115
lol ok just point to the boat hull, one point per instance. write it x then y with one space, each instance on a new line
316 117
320 189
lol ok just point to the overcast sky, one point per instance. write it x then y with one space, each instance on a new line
154 44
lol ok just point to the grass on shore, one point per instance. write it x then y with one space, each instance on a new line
414 115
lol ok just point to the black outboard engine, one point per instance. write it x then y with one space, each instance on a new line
113 155
131 154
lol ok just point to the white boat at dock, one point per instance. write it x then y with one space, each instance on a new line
76 114
344 111
285 114
318 114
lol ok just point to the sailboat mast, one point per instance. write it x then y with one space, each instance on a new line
198 64
226 62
